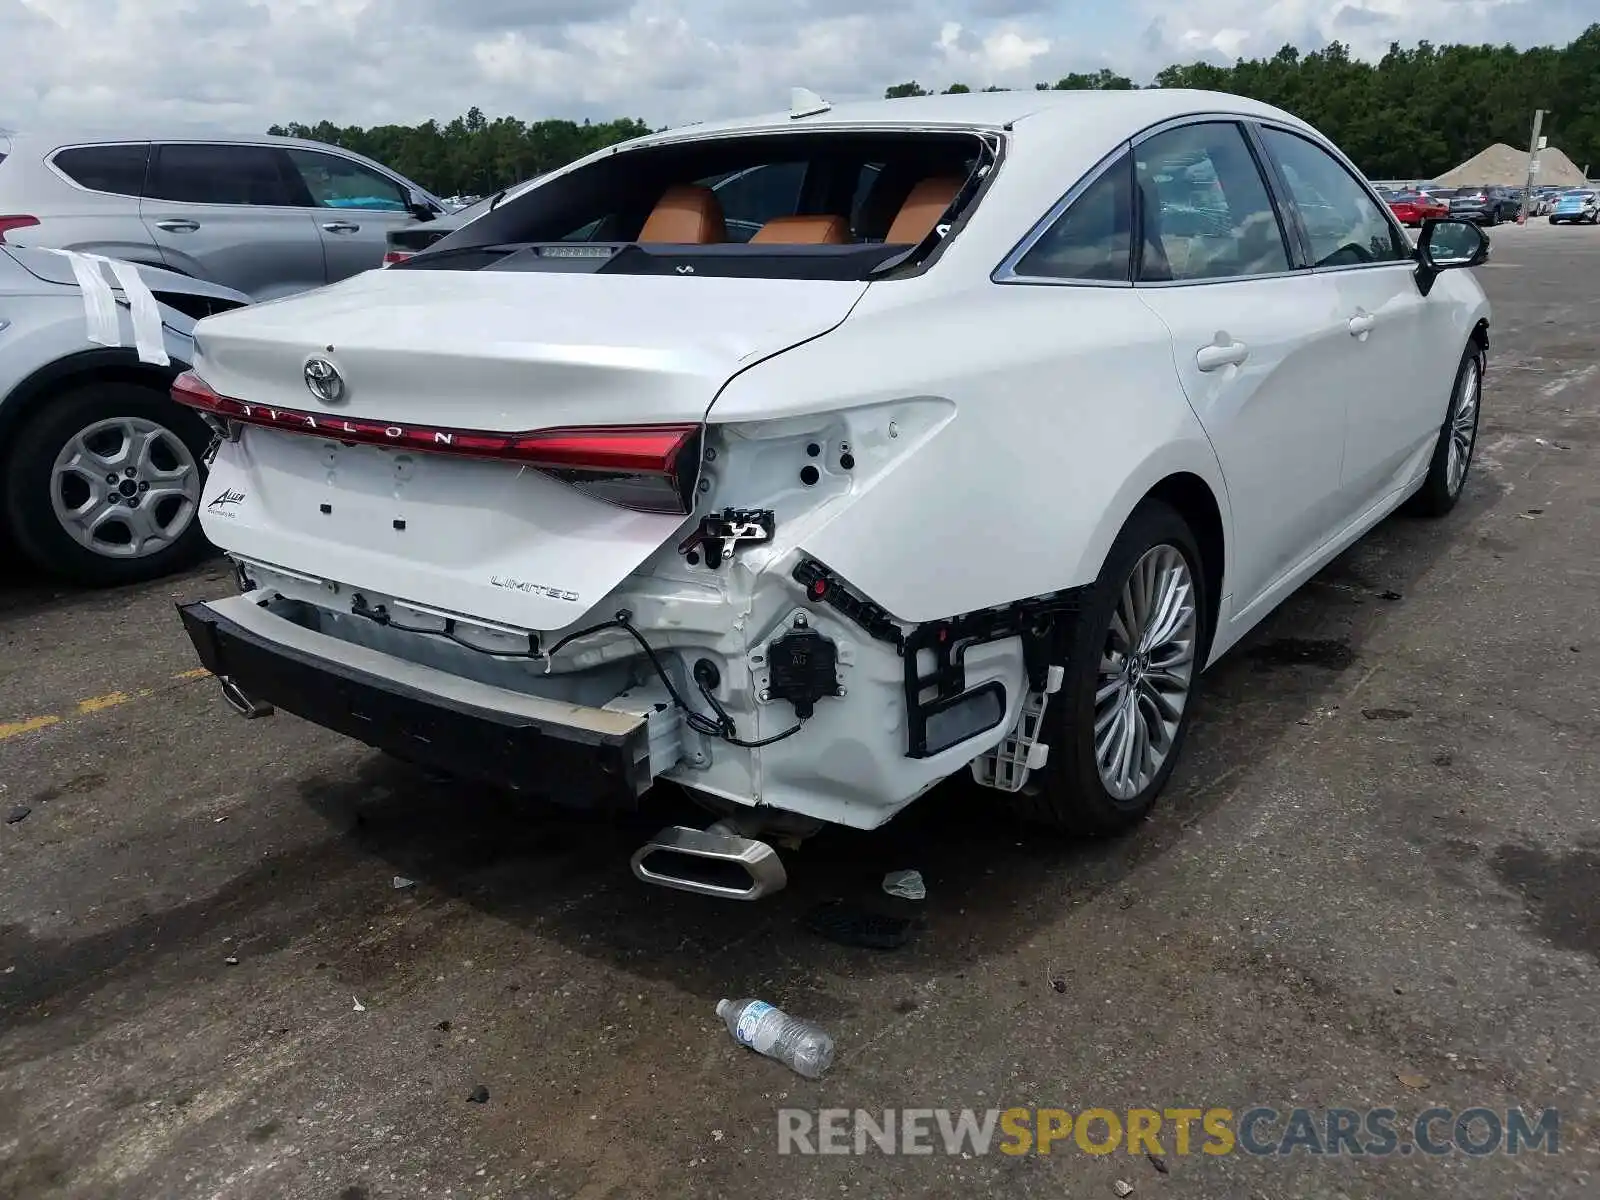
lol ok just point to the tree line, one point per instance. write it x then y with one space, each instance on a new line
1413 114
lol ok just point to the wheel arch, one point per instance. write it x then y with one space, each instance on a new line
110 365
1191 498
1186 477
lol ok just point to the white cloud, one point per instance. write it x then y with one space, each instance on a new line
247 63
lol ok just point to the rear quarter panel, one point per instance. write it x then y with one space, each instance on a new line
1065 410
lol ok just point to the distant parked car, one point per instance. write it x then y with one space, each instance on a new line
100 472
402 241
266 216
1487 205
1413 208
1581 206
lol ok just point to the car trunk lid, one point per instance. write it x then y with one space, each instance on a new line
396 482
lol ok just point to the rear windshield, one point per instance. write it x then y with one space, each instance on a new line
818 205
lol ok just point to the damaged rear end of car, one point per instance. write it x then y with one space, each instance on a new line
491 513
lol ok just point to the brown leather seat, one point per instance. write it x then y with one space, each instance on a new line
686 215
922 210
805 231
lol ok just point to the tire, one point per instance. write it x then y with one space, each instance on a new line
102 426
1072 795
1442 487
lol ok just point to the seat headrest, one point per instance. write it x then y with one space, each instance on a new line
686 214
922 210
828 230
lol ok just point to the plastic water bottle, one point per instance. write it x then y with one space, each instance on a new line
773 1032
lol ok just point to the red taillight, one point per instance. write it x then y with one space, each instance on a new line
649 467
393 256
8 223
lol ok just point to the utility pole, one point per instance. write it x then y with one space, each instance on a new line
1535 144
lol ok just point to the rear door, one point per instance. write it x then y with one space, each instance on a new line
89 201
1401 355
355 207
232 214
1250 340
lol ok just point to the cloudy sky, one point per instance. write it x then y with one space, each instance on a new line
247 63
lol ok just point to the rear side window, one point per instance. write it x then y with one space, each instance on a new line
1093 238
115 169
1205 209
752 197
217 173
338 182
1346 226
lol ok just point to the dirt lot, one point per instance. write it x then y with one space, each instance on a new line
1376 883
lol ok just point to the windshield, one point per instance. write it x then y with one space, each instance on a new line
813 205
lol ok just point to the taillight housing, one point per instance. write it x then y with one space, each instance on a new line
391 257
15 221
650 468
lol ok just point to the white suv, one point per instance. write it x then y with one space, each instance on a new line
1014 414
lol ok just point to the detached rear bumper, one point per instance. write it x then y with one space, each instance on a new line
430 717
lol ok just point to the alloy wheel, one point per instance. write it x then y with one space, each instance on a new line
126 487
1463 430
1146 672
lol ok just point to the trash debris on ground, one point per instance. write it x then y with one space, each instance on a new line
1159 1163
400 881
231 961
20 813
850 925
443 1026
359 1007
1059 983
1412 1080
1121 1188
907 885
1386 714
1390 595
479 1095
770 1031
218 820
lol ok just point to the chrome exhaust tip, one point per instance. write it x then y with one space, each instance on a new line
710 862
240 703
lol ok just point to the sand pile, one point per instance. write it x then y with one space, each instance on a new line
1508 167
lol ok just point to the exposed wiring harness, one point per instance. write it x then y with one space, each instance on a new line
722 726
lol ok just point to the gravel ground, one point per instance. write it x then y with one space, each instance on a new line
1374 885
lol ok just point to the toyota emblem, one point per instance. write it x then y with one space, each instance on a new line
324 380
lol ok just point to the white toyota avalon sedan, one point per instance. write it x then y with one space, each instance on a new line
956 433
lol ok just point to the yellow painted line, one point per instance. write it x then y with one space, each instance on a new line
96 704
89 706
17 728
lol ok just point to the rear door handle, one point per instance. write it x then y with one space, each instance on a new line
1362 324
1221 354
342 227
178 225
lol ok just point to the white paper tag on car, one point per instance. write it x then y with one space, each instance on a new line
147 337
103 326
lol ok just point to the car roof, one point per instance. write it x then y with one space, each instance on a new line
46 139
995 110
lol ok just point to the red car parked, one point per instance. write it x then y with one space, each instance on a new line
1413 208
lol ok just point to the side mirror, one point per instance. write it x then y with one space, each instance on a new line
1446 244
420 206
